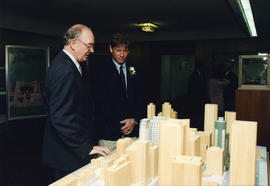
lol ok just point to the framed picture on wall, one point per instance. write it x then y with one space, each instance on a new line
25 75
254 72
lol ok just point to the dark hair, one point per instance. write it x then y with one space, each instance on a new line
120 39
74 32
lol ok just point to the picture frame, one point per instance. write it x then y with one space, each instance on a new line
26 68
254 72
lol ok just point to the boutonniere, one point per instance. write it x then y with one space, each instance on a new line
132 71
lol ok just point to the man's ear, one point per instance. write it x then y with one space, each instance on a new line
72 44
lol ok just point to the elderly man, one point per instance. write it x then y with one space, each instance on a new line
69 137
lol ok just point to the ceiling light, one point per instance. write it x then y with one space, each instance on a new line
262 54
248 16
148 27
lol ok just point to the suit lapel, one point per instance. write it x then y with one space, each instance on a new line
71 64
113 76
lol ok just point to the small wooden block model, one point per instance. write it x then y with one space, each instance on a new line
214 161
205 137
153 152
203 151
194 145
230 117
139 156
166 109
122 144
174 114
243 153
151 111
118 175
171 144
186 170
210 116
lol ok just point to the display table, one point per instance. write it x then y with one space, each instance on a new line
261 173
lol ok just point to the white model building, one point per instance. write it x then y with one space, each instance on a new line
144 131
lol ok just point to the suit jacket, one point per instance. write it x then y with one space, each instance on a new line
111 103
68 138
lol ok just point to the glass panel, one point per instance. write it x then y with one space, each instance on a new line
254 71
175 72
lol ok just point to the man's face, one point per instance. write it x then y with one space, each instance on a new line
84 45
119 53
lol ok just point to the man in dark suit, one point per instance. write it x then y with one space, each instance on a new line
119 94
68 138
229 91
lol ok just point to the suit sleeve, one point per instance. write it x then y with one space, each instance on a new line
63 106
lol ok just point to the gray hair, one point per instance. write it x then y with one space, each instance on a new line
74 32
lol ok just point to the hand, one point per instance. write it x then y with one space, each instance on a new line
100 150
128 126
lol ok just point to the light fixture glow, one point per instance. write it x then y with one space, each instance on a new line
148 27
262 54
248 16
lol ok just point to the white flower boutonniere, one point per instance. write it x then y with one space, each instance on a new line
132 71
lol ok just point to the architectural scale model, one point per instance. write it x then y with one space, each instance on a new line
186 170
169 152
149 129
167 111
215 161
243 153
205 141
210 116
171 144
151 111
230 117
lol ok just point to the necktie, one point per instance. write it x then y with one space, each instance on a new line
122 77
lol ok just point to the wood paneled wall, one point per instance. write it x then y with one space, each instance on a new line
254 105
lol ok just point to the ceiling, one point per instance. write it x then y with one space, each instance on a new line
178 19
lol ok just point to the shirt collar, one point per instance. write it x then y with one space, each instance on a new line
77 64
118 65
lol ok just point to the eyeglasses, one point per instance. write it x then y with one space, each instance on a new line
89 46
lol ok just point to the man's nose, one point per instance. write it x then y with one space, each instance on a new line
91 50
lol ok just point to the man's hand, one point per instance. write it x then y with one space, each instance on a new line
128 126
100 150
